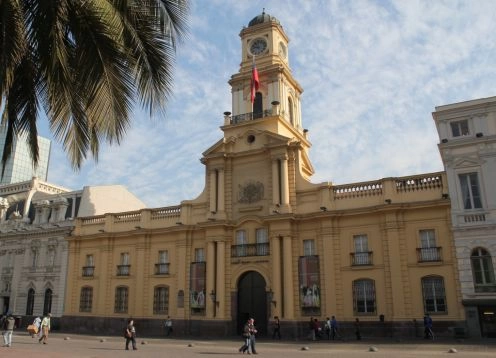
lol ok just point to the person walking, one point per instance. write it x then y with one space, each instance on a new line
45 328
246 337
277 328
37 324
8 326
334 327
327 328
428 334
357 330
168 326
253 334
130 334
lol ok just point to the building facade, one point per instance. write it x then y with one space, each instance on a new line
467 132
35 219
19 167
261 240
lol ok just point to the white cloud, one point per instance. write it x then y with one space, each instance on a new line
372 71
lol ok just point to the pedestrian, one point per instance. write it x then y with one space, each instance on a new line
327 328
45 328
37 324
130 334
357 329
311 330
428 333
253 334
277 328
168 326
334 327
316 329
246 338
8 326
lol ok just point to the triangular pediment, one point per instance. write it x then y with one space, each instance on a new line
248 140
467 162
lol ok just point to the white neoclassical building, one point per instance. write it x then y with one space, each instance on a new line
467 132
35 219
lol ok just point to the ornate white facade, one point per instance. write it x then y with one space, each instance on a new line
467 132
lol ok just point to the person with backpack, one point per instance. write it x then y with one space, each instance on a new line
8 326
130 334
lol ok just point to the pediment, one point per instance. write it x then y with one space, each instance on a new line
247 141
467 162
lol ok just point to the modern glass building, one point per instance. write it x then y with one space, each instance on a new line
20 165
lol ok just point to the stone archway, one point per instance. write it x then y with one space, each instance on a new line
252 301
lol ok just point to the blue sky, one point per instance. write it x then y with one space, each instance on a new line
372 73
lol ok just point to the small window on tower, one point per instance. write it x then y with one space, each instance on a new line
459 128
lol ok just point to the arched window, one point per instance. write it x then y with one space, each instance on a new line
47 305
161 300
364 296
258 106
121 298
434 294
483 271
291 111
86 299
30 303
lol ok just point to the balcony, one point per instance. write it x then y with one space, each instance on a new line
429 254
88 271
361 258
250 116
162 268
123 270
247 250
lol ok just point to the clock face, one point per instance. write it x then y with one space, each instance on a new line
258 46
283 52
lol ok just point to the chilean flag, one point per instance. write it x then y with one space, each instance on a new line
254 81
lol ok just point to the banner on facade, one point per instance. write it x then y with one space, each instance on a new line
197 285
309 282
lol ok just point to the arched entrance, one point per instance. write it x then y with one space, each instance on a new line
252 301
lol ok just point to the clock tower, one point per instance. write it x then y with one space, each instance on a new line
264 44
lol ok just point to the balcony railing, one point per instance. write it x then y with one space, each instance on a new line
123 270
429 254
162 269
250 116
88 271
361 258
250 250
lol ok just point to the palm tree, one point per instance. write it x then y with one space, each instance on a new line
85 63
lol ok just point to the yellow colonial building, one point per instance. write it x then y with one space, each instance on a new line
262 240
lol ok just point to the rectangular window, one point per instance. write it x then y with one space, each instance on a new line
364 296
361 256
86 299
241 242
469 183
262 241
309 248
124 268
89 260
121 297
309 280
124 258
199 255
434 295
459 128
162 267
428 250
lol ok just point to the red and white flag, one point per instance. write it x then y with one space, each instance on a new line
254 81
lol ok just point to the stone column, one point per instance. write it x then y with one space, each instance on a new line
220 281
210 278
288 278
275 182
213 191
221 206
276 275
284 181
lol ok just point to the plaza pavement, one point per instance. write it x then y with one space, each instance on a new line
79 346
